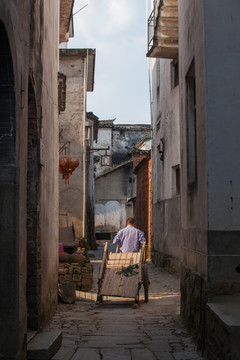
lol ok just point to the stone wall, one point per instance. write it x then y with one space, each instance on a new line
205 327
81 275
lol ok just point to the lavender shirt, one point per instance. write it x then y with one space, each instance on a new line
129 239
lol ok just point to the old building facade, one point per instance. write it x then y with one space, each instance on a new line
115 191
116 140
166 218
201 36
29 168
76 136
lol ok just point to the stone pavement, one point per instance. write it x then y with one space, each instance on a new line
114 330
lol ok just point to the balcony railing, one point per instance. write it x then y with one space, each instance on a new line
163 29
152 22
151 26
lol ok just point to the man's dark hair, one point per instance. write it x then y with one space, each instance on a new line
131 221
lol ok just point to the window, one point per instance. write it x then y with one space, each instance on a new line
174 74
176 180
191 115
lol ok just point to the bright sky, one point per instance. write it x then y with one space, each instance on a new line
117 30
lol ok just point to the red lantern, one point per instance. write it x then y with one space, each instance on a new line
67 164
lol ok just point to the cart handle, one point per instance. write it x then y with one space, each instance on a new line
117 248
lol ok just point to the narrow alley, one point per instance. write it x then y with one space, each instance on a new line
111 110
114 330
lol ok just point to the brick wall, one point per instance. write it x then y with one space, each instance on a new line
143 196
137 158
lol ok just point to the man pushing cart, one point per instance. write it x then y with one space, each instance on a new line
121 274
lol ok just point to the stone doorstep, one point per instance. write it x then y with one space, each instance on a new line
44 345
227 309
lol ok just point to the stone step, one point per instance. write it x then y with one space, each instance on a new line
223 327
64 353
44 345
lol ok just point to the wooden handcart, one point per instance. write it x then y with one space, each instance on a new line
122 274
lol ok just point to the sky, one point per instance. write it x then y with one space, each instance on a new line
117 30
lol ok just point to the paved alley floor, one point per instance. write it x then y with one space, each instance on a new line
114 330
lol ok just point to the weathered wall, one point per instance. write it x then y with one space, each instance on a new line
72 124
166 229
210 210
223 111
103 141
120 139
14 21
111 194
42 204
193 196
35 86
124 138
49 193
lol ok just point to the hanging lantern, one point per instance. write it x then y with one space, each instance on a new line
67 164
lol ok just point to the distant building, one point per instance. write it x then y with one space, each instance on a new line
118 140
114 191
115 188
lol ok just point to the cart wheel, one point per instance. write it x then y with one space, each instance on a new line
145 282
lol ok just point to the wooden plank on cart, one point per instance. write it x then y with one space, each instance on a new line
115 283
123 259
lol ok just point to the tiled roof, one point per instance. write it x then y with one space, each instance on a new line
114 168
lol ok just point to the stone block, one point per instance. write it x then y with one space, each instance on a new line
68 277
76 277
62 271
86 281
87 276
44 345
76 270
61 265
